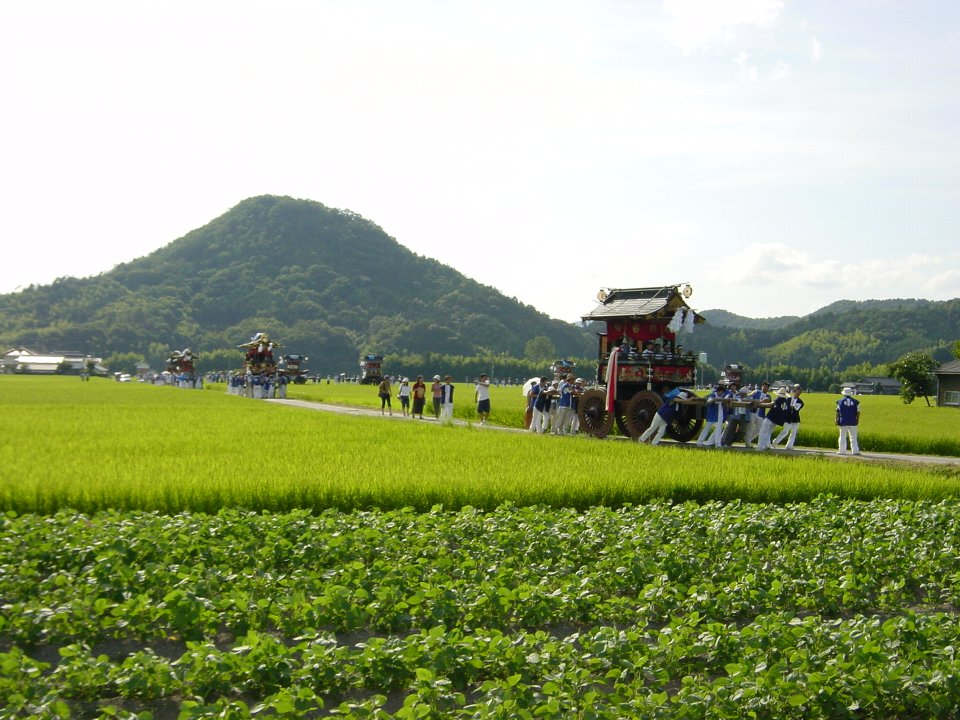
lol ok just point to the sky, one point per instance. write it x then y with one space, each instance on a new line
777 155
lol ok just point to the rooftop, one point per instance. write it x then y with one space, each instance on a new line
639 303
948 368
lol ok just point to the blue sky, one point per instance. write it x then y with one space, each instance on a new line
777 155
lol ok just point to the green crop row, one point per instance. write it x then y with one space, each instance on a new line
93 446
825 609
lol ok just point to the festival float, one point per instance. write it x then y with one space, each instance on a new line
259 355
562 368
640 359
292 365
260 375
181 369
371 369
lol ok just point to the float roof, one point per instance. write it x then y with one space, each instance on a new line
636 303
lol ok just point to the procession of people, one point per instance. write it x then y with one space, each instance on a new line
553 404
750 414
258 385
732 412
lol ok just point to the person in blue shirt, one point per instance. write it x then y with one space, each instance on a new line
738 419
760 397
792 424
713 425
541 407
664 416
776 416
532 395
564 405
848 420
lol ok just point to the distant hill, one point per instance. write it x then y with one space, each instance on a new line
835 337
330 284
723 318
844 306
326 283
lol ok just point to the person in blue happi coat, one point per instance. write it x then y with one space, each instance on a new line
713 424
664 416
848 420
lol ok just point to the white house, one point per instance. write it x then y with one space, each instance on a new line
24 360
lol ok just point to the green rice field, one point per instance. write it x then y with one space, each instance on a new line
170 554
101 445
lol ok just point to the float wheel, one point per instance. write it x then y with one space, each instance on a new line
640 411
686 424
592 411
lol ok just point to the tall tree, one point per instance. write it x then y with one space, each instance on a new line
915 373
540 348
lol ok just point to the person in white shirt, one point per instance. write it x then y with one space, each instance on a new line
482 393
404 394
446 404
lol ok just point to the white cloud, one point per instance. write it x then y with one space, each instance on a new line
782 71
768 279
768 264
748 71
942 286
816 50
697 24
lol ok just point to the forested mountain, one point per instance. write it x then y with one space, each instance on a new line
329 284
326 283
724 318
838 336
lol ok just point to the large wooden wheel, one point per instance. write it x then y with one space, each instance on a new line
686 423
640 411
592 411
619 410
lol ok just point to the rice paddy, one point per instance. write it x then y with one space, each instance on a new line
98 445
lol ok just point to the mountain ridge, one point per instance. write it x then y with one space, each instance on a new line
328 282
331 284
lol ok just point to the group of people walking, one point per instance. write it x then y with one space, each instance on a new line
260 386
754 414
413 398
552 405
750 414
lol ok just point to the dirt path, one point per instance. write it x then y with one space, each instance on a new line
822 452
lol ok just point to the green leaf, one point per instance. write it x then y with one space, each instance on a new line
659 699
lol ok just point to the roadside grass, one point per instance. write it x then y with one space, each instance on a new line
99 445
